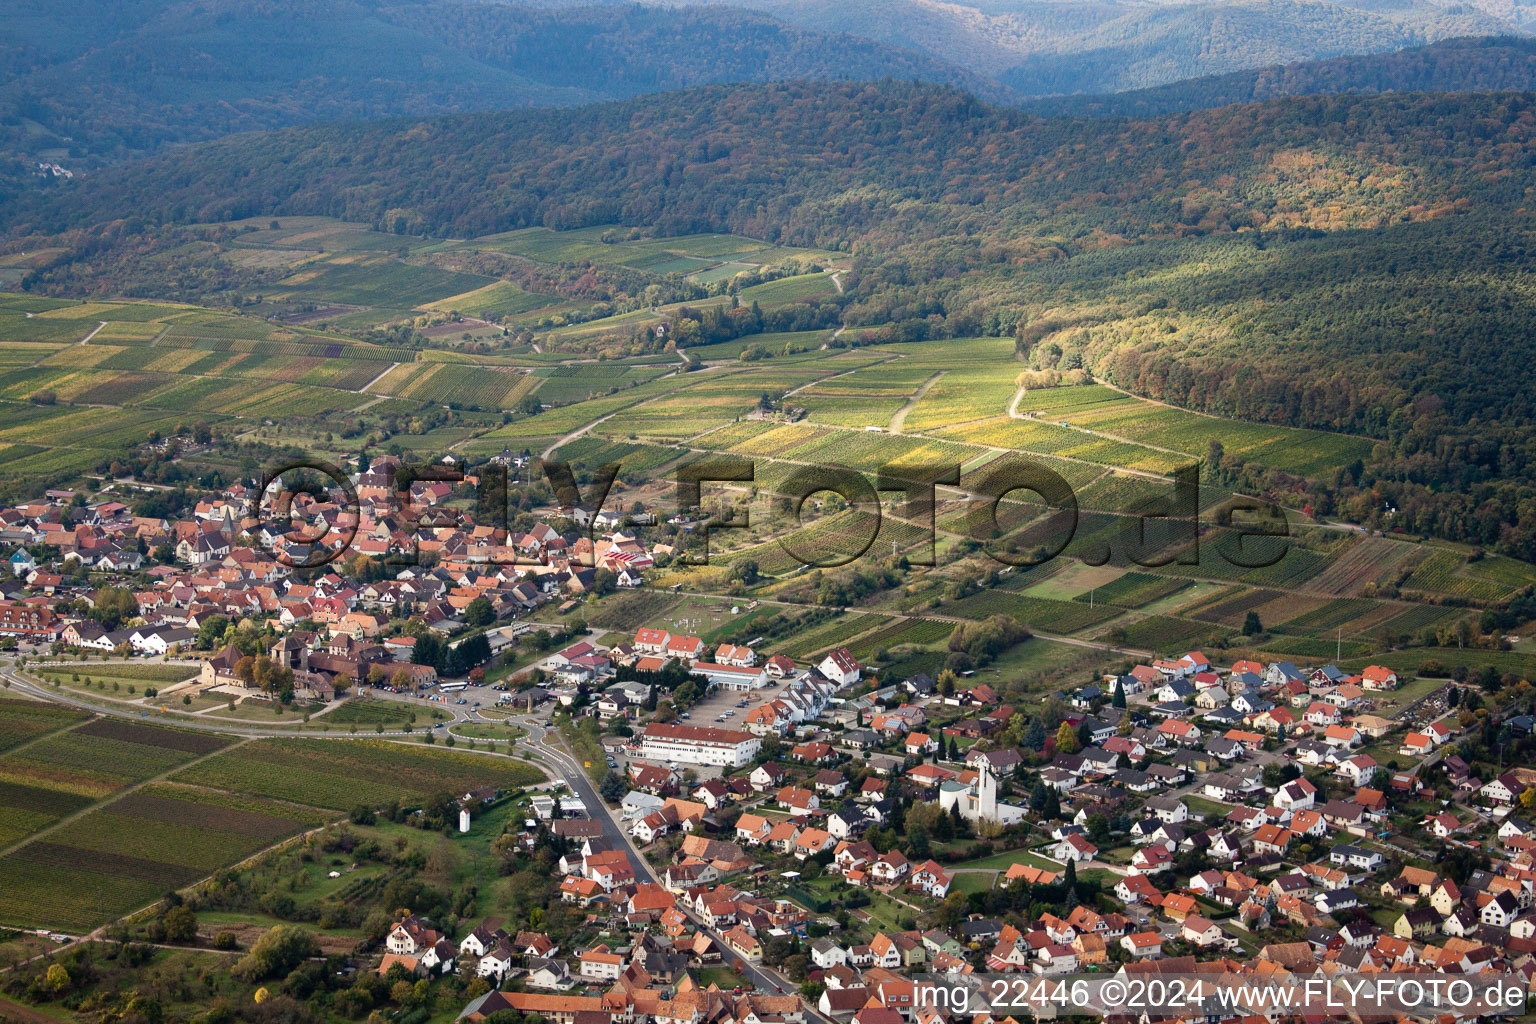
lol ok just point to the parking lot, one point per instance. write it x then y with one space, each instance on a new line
466 701
725 709
721 709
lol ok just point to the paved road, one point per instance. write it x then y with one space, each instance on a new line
540 740
547 743
62 696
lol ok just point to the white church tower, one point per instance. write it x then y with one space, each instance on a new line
986 792
980 805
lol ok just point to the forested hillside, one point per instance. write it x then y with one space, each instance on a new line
104 79
842 165
1484 64
1355 263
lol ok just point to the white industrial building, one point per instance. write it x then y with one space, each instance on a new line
697 744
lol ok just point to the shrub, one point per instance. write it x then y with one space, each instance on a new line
275 954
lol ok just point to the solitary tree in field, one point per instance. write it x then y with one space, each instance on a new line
1251 624
180 923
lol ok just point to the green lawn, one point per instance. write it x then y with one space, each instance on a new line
106 675
1004 861
1210 808
973 881
1188 596
1074 580
1386 750
139 672
1386 916
724 977
885 914
201 702
486 731
263 711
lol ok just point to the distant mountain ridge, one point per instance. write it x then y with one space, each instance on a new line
100 81
1486 64
1156 46
1048 47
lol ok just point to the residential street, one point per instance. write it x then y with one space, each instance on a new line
540 741
548 745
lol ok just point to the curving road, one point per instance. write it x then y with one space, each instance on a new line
548 744
62 696
540 743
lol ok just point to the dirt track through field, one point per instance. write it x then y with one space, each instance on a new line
899 420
